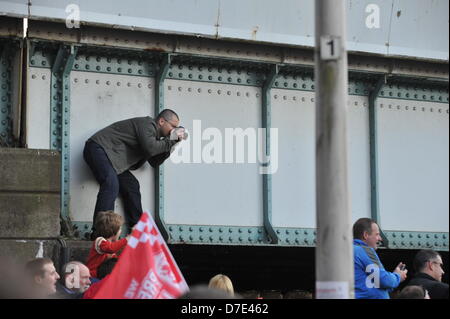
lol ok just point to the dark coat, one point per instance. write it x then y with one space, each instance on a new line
436 289
130 143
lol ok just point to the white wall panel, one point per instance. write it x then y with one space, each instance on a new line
293 186
38 108
217 193
359 156
294 192
413 161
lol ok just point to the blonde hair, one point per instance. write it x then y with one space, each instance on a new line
222 282
107 223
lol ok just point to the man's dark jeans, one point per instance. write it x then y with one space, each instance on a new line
112 184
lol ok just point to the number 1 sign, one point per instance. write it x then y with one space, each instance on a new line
330 48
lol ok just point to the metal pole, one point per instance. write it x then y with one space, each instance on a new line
334 251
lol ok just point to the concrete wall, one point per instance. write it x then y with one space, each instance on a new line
29 193
29 203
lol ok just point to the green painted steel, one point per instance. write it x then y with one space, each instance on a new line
159 171
290 237
417 240
60 120
229 71
6 52
267 176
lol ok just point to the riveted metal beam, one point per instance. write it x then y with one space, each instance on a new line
417 240
267 176
159 171
191 45
5 95
288 237
214 69
60 122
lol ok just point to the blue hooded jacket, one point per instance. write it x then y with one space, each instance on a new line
367 264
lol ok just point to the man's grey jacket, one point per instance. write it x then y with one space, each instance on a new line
130 143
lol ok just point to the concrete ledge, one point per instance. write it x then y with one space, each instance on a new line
23 251
29 193
25 170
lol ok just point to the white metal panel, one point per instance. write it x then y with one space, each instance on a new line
365 34
294 191
14 8
288 22
359 156
413 28
293 186
420 29
413 166
213 194
174 16
38 108
98 100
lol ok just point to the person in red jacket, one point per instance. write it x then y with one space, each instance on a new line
108 227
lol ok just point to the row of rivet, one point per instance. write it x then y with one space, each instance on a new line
248 94
5 101
237 235
414 108
256 79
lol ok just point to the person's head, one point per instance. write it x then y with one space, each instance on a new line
108 225
221 282
106 267
204 292
43 276
13 283
413 292
167 120
76 276
429 262
367 230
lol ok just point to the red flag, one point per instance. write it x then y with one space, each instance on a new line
146 268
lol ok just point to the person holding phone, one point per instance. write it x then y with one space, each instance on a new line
372 280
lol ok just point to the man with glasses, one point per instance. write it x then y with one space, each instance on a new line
114 151
429 270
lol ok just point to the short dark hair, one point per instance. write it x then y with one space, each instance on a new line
167 114
35 267
412 292
106 267
422 257
362 225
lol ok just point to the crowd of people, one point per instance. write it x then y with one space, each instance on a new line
373 281
83 279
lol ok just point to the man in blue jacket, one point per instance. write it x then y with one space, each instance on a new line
372 281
